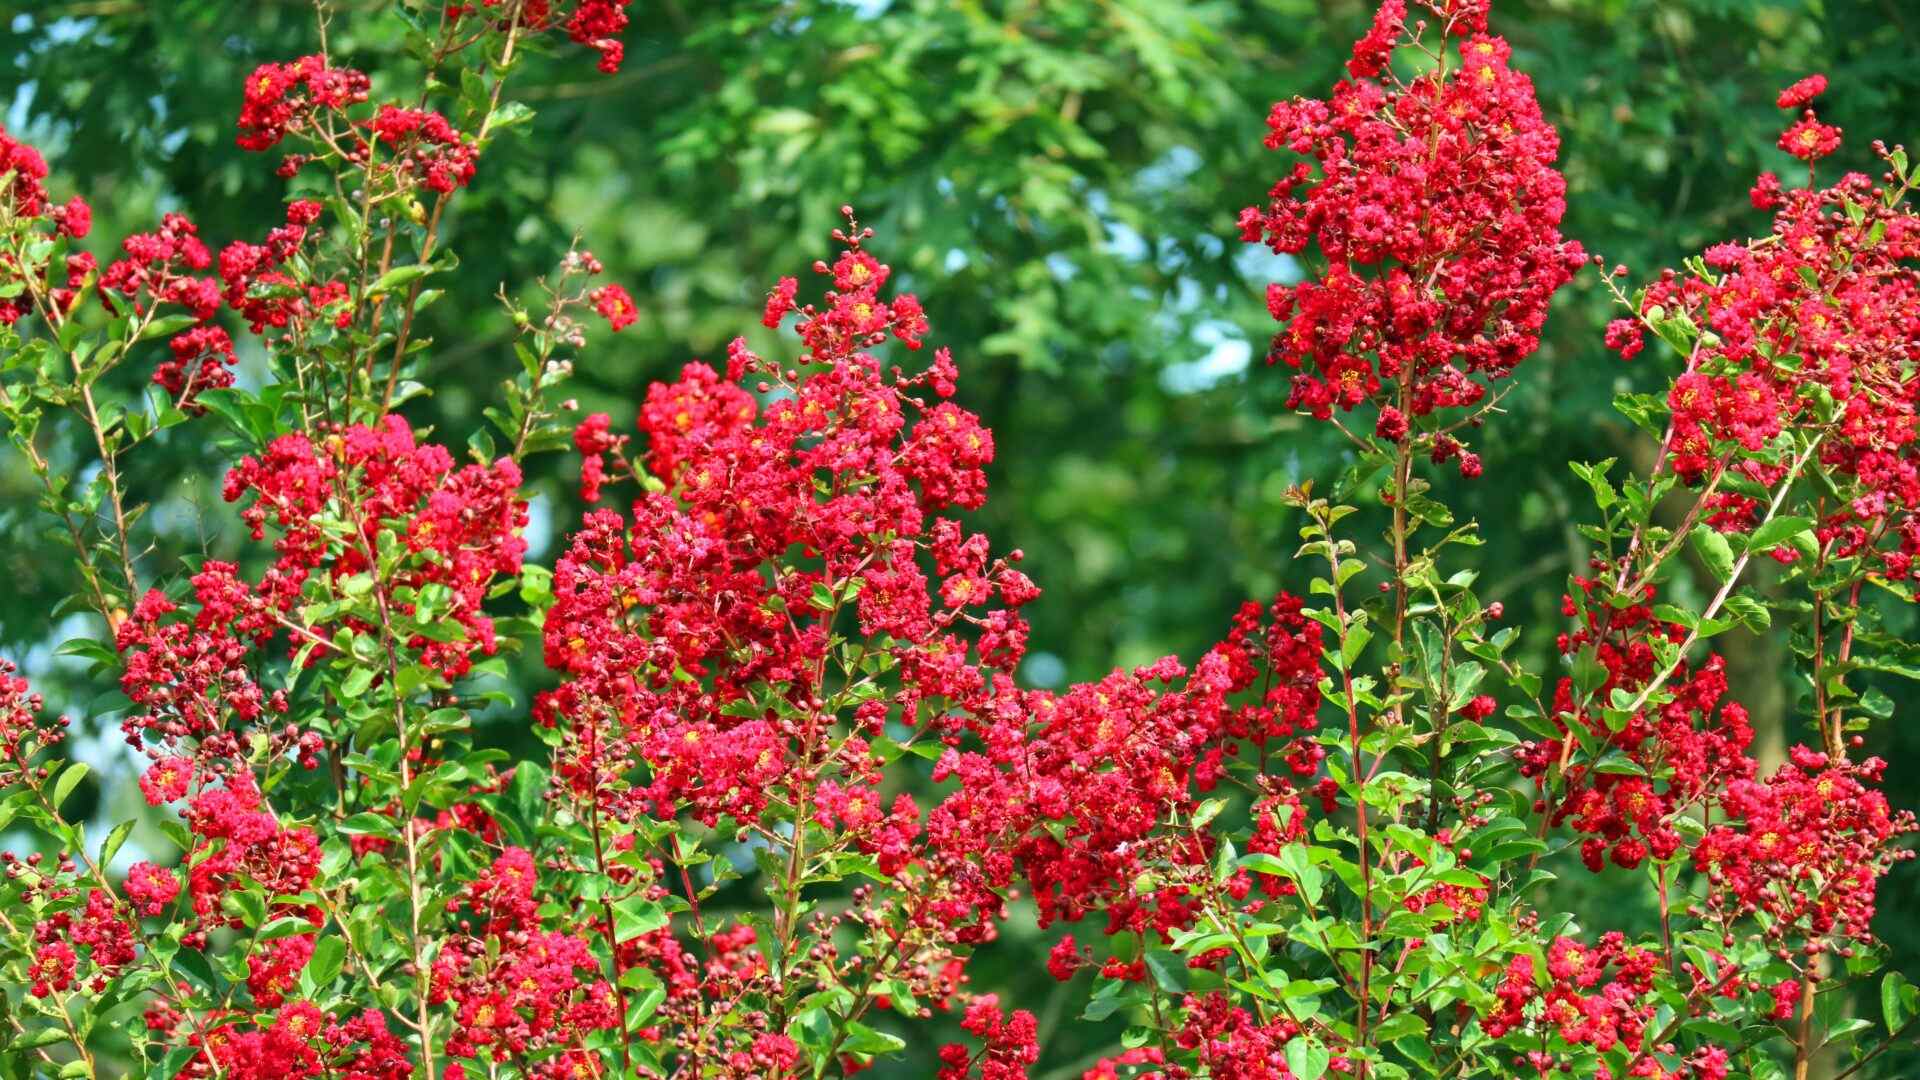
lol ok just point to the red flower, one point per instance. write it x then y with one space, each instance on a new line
1625 337
1420 308
613 304
1803 92
1810 140
75 219
151 888
52 969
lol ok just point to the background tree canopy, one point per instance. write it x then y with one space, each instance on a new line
1057 180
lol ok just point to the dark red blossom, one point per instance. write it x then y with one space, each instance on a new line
460 526
1436 208
1810 140
278 99
426 146
151 888
1805 848
23 732
1802 93
1808 328
615 306
203 359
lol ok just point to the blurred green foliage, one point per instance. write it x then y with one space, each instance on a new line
1057 179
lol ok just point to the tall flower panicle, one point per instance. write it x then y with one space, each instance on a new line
596 24
23 731
461 526
1434 206
696 634
1809 327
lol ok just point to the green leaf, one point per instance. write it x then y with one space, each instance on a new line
329 953
1169 970
1752 614
111 845
1350 648
1110 998
356 682
1776 532
285 926
862 1039
511 114
36 1039
89 648
1399 1026
175 1060
1307 1059
167 325
370 824
1595 475
635 916
1897 997
1589 674
1713 551
69 779
398 277
528 788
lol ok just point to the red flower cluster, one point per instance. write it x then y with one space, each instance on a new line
854 316
279 99
25 195
1010 1043
254 283
597 24
151 888
426 145
237 841
461 527
163 268
615 306
594 438
299 1042
25 200
1598 996
1444 188
23 735
203 359
160 268
515 987
1809 327
695 634
1142 746
200 708
701 581
1627 794
1805 847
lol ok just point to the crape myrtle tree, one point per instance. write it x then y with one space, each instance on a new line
1315 850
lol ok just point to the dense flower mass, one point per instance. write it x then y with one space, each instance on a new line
200 706
425 145
1628 798
1436 207
596 24
695 633
786 778
459 526
1140 746
1810 328
26 195
1805 848
24 734
280 99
